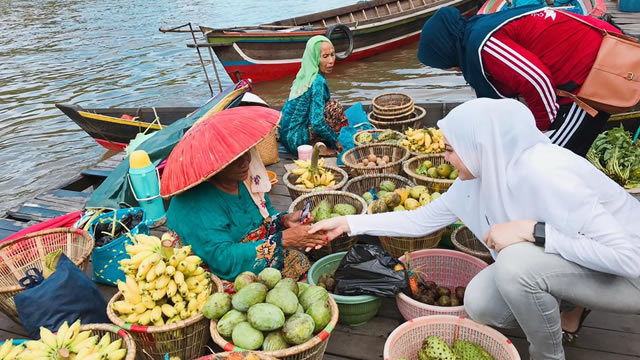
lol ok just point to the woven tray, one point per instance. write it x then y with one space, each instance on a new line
186 339
413 120
375 133
361 184
464 240
103 329
311 350
392 104
289 180
343 242
27 252
406 339
397 154
433 184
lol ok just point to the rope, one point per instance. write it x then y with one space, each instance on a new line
155 121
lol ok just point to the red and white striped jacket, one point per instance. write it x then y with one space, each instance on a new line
529 57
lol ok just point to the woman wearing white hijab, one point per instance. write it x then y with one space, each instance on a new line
512 182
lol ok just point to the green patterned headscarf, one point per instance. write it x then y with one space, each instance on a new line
310 66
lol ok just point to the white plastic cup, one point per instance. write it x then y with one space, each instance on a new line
304 152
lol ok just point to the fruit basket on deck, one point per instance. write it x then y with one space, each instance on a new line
432 183
387 159
447 268
464 240
296 190
29 251
378 136
343 242
407 339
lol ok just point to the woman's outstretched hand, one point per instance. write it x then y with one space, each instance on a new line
333 227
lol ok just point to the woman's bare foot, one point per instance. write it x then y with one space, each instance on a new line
571 319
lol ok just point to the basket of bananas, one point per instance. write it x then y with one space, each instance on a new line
432 171
90 342
423 141
312 175
161 300
372 136
28 252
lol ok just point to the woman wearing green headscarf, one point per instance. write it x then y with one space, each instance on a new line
309 115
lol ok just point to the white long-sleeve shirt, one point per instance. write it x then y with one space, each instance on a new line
607 243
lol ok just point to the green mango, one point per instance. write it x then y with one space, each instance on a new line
248 296
247 337
265 317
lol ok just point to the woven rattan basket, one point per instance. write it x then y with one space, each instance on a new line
268 149
186 339
397 154
448 268
242 355
392 104
102 329
464 240
433 184
375 133
290 178
413 120
343 242
406 339
310 350
18 255
361 184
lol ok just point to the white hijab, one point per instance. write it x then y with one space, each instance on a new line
519 173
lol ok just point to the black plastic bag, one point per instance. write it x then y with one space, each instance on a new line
67 295
369 270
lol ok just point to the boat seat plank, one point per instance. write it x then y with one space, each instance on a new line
96 173
63 194
36 213
12 225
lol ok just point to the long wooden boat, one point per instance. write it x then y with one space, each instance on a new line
272 51
112 131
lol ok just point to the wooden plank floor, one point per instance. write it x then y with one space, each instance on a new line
605 336
629 22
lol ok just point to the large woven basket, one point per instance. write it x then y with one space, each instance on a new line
289 180
406 339
18 255
361 184
397 154
433 184
268 149
238 356
186 339
343 242
103 329
412 120
375 133
464 240
310 350
392 104
447 268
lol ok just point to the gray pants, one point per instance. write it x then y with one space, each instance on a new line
525 285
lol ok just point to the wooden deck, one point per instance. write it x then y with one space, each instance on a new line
605 336
629 22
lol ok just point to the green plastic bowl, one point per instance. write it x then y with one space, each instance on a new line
354 310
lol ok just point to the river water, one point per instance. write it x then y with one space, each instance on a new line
109 53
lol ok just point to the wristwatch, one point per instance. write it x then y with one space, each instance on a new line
539 234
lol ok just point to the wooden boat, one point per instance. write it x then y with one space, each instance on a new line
112 131
588 7
272 51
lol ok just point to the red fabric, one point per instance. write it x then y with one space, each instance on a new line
61 221
556 50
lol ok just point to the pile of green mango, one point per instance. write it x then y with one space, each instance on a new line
268 312
391 198
324 210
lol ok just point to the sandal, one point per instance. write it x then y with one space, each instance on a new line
569 337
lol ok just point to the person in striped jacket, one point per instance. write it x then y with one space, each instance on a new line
527 53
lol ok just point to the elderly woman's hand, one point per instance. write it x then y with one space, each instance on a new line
500 236
292 220
299 237
333 227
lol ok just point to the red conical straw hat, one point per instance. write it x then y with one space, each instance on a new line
214 143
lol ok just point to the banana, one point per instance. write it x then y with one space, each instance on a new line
122 307
308 184
61 335
82 342
160 322
182 267
137 259
178 307
185 314
302 163
134 290
117 355
111 348
151 275
145 318
162 282
104 341
178 277
149 286
298 171
156 314
47 337
191 268
170 270
14 352
172 288
5 348
183 289
147 301
199 271
176 298
168 311
158 294
135 317
146 265
160 268
192 283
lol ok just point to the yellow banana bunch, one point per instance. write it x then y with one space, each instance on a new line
69 342
427 140
307 179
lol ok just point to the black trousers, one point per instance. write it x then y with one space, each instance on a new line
576 130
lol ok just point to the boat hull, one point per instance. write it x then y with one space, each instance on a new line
264 56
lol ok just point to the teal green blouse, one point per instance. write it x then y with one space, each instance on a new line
215 223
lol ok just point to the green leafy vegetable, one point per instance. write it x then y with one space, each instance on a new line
614 154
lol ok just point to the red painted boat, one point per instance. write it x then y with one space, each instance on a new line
272 51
